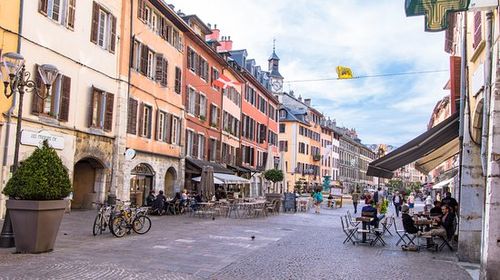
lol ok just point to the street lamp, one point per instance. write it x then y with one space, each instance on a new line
17 79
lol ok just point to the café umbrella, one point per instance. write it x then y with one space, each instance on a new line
207 182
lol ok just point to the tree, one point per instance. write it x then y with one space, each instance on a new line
395 185
274 175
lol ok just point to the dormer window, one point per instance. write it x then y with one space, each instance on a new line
282 114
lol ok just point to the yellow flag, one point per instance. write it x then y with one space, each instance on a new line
344 72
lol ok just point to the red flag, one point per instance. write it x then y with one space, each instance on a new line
224 82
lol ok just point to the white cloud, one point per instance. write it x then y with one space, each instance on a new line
371 37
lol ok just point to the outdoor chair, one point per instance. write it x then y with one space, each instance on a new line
352 221
377 232
387 224
271 207
350 232
403 234
303 207
260 210
444 242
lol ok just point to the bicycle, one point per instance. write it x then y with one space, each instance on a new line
102 219
129 219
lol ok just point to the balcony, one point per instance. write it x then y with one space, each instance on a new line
317 157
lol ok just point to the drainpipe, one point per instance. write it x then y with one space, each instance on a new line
487 91
463 102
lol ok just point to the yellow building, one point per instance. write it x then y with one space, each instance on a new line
9 27
299 140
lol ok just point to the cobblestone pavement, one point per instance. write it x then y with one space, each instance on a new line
286 246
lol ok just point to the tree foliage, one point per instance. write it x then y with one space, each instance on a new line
274 175
42 176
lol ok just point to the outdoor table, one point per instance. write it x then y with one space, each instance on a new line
365 222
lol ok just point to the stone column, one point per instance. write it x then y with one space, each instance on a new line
490 255
471 198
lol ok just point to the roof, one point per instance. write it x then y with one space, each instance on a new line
274 56
429 149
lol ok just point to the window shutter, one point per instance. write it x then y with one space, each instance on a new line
108 113
141 119
157 122
95 94
168 128
42 6
195 145
186 99
218 155
165 73
112 41
179 129
144 59
140 9
178 80
37 102
218 117
95 23
65 93
197 104
71 13
132 116
159 67
477 29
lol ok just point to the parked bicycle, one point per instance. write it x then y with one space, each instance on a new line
129 219
103 218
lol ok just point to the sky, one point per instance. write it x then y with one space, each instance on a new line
370 37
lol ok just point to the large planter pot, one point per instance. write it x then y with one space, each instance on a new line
35 223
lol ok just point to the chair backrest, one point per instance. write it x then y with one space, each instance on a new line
368 214
342 221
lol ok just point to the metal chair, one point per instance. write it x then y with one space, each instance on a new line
387 224
378 232
352 221
402 234
349 231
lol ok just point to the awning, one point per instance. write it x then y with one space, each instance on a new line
430 149
442 184
230 179
216 181
194 166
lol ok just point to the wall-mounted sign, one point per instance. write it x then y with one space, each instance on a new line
129 154
476 5
435 11
33 138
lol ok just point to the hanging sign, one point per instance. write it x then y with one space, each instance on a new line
435 11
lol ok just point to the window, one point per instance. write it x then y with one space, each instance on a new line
302 148
271 112
214 116
262 105
132 116
282 114
178 80
56 105
101 110
214 77
191 101
175 131
283 146
203 107
282 128
201 146
161 75
189 142
214 147
61 11
103 28
160 126
250 96
151 61
233 95
145 122
477 29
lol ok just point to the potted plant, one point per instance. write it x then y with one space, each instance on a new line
36 205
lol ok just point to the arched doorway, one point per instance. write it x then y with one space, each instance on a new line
170 178
88 183
141 182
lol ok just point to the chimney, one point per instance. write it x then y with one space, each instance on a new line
171 6
307 101
215 34
226 44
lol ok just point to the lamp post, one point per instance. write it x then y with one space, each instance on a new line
17 79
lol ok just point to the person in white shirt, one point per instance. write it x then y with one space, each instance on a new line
397 200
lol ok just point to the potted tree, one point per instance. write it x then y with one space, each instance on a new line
36 205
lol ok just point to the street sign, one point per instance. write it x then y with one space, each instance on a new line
34 138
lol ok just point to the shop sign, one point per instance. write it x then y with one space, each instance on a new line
33 138
436 11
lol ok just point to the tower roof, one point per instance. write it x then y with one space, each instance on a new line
274 56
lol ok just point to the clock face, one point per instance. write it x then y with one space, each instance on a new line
277 85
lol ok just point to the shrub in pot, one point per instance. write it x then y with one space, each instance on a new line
36 192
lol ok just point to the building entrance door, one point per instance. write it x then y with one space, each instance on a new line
141 182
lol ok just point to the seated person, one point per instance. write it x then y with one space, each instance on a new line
436 210
447 224
159 203
151 198
408 223
369 211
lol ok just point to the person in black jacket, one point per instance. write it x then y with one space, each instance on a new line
447 224
408 223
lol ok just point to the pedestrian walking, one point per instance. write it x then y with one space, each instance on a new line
318 199
428 203
411 202
397 200
355 200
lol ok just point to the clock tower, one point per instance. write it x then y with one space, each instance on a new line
275 77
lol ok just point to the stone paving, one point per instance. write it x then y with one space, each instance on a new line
286 246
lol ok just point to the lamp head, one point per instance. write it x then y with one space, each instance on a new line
48 73
12 62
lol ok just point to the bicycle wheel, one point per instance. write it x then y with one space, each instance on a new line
97 224
119 226
141 224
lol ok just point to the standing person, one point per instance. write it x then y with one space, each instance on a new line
379 194
438 196
428 203
397 200
411 202
318 198
450 201
355 200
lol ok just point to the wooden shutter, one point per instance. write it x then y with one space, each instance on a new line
178 80
477 29
42 6
186 99
94 95
140 9
95 23
37 102
197 104
218 117
132 116
159 67
164 81
65 93
195 145
157 128
144 59
141 119
112 41
108 113
71 14
218 153
179 130
168 128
